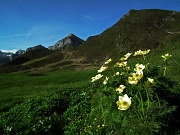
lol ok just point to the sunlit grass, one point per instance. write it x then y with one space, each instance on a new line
18 87
35 60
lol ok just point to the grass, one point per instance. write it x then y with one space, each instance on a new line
32 61
139 29
154 58
18 87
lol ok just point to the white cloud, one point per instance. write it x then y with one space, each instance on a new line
46 34
13 51
95 17
88 17
15 35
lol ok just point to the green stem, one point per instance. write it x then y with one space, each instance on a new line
110 72
141 102
138 114
144 57
146 64
147 96
158 99
164 74
113 70
165 68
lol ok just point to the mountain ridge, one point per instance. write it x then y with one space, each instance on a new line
6 57
67 42
138 29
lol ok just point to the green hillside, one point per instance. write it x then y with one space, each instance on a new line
139 29
47 92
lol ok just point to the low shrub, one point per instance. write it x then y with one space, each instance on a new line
41 115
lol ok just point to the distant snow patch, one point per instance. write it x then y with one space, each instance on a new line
12 51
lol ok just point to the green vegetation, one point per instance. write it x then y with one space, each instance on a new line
35 100
138 29
18 87
68 102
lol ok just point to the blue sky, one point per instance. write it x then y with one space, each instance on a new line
27 23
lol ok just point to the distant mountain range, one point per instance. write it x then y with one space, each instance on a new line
6 57
138 29
69 41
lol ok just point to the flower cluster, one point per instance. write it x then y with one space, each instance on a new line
108 61
123 60
121 64
125 57
141 52
103 68
97 77
166 56
133 77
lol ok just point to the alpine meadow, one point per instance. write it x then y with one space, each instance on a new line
124 81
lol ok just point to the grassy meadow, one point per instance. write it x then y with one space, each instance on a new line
17 88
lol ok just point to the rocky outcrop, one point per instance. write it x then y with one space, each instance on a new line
68 42
6 57
36 47
20 52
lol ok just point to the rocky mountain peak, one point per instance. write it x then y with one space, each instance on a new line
69 41
36 47
20 52
70 35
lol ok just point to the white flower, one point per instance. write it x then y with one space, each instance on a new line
103 68
125 57
138 53
150 82
132 80
105 81
124 102
108 61
120 88
138 75
122 64
145 52
141 52
166 56
117 73
96 77
139 67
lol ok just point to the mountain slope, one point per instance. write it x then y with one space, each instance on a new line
138 29
152 29
47 59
